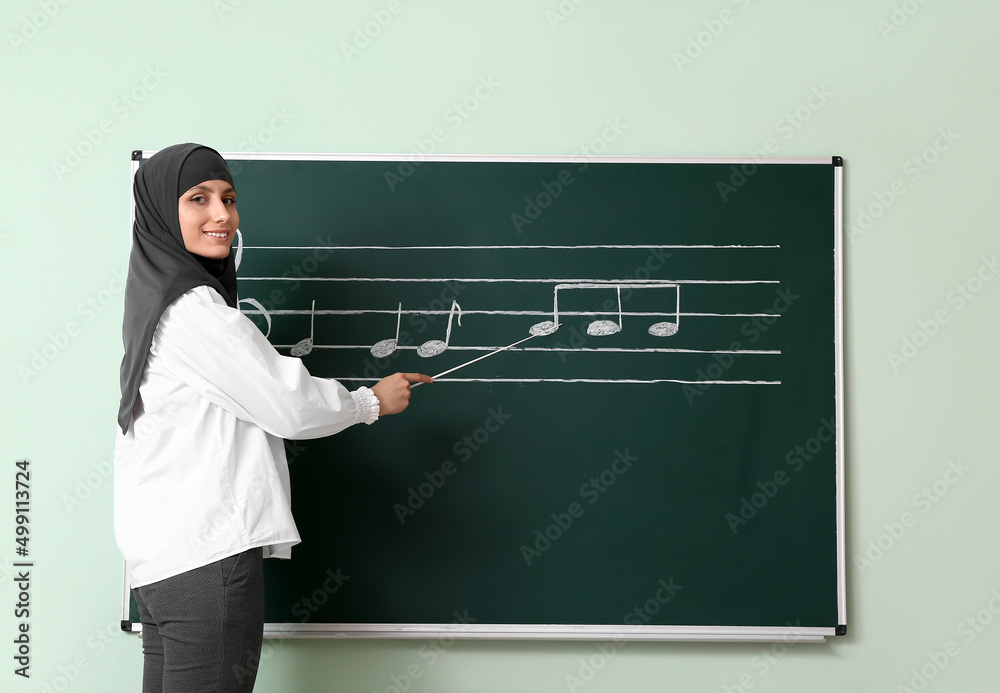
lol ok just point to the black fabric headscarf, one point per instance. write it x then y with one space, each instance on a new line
160 268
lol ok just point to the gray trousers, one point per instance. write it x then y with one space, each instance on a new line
202 630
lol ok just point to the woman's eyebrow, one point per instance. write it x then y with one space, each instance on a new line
230 189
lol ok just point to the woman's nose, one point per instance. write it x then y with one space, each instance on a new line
220 211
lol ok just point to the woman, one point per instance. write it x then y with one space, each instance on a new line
201 479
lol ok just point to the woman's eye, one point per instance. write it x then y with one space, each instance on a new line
230 200
198 198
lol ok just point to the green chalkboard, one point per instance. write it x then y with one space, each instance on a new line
679 475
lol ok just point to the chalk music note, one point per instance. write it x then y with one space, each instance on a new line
547 327
434 347
667 328
385 347
305 346
603 328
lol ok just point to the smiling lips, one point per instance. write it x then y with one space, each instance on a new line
217 234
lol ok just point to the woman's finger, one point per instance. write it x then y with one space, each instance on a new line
417 378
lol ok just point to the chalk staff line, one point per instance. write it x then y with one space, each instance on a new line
473 280
629 381
529 313
505 247
619 350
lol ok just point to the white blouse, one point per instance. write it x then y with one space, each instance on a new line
201 473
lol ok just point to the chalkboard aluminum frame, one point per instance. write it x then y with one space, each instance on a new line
615 633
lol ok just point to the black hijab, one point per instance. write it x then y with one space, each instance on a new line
160 269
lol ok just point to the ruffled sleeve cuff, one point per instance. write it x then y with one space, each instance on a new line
366 405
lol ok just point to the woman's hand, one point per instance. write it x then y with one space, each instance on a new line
393 391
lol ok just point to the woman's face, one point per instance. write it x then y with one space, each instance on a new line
209 218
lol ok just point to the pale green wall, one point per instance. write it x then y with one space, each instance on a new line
218 76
